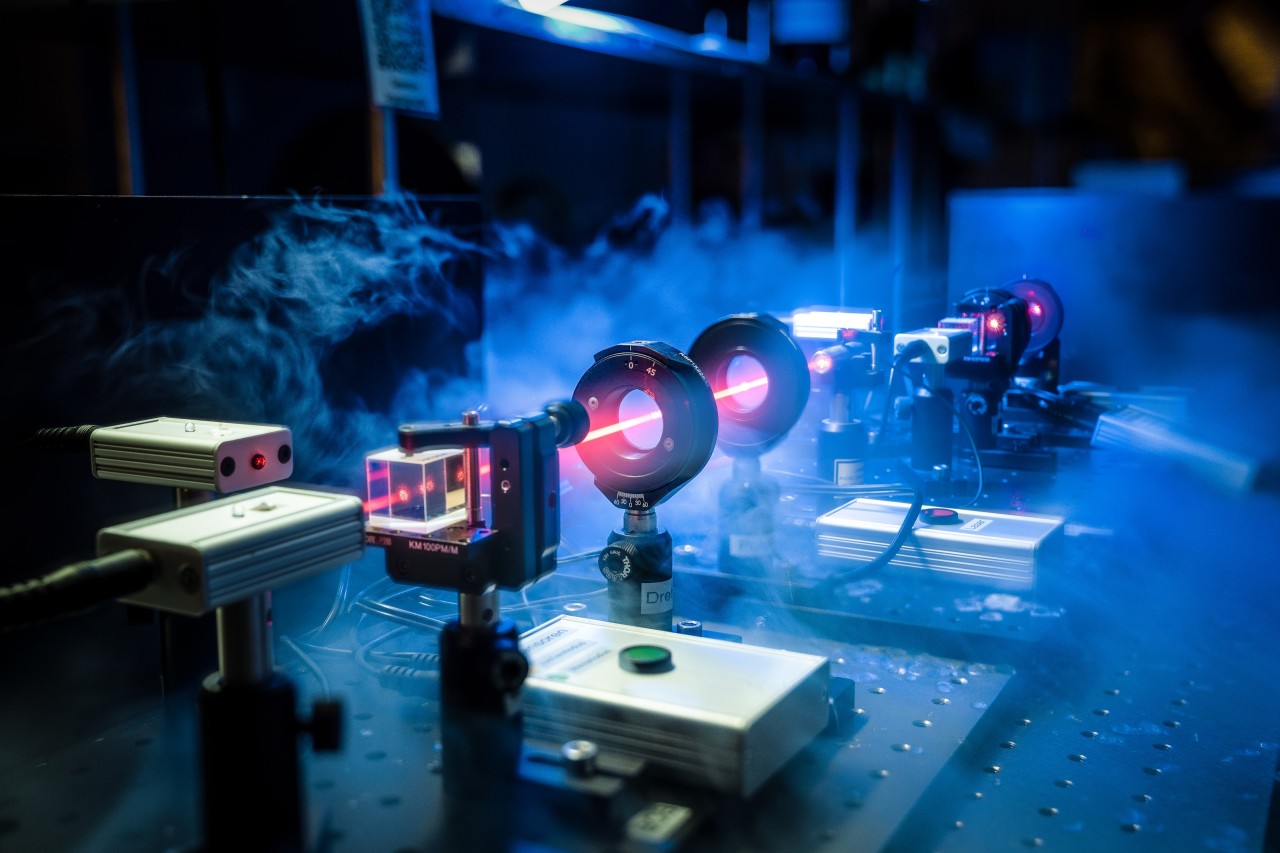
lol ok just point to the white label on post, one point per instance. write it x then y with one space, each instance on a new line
655 597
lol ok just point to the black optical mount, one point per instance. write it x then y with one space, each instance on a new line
249 730
851 372
482 669
750 426
982 376
636 561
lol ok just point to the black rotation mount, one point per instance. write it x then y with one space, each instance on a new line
750 352
755 429
637 559
632 477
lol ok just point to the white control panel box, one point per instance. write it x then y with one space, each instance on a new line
702 710
1002 550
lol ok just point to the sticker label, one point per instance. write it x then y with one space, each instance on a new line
655 597
563 653
975 525
849 472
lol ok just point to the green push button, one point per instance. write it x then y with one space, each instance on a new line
645 659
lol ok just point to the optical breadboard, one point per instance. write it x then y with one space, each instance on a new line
1000 550
204 455
226 550
725 714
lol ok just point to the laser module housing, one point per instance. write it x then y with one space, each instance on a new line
226 550
206 455
726 715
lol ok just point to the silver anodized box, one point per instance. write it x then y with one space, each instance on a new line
725 715
998 549
222 551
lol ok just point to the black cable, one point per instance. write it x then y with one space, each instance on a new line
67 439
973 446
75 588
882 559
915 349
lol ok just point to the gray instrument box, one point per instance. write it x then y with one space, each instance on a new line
205 455
223 551
1002 550
726 715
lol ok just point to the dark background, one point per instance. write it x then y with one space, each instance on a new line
240 98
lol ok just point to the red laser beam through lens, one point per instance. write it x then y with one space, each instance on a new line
622 425
742 386
649 417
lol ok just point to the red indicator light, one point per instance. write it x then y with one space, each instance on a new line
257 462
1036 314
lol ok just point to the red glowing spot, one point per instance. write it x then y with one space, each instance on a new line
995 322
1035 309
403 494
821 363
257 462
429 486
460 475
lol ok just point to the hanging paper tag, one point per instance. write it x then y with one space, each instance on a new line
400 55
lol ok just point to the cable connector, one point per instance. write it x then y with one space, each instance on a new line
68 439
76 588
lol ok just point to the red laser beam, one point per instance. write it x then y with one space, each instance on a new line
377 504
649 417
742 386
621 425
401 495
